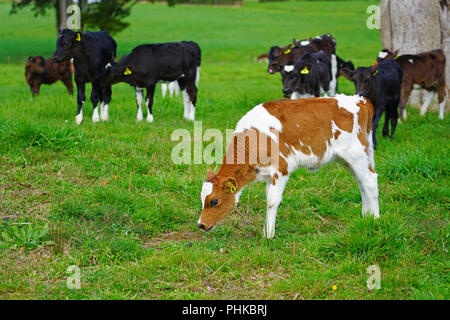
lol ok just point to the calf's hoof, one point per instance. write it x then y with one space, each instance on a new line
79 119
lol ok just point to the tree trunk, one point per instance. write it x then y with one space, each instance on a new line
412 26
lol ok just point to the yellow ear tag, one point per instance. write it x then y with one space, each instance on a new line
376 72
396 57
233 188
127 72
305 71
78 37
287 51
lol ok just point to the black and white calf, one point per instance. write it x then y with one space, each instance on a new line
381 84
307 77
147 65
90 51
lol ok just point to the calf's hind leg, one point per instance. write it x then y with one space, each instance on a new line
182 85
359 166
192 93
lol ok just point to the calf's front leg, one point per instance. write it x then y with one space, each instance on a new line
81 97
149 102
274 194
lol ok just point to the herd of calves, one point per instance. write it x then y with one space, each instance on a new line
305 131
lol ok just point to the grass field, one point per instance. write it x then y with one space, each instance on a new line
107 198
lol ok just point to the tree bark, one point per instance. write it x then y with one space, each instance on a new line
413 26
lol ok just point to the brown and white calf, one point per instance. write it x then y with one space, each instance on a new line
276 138
39 71
427 70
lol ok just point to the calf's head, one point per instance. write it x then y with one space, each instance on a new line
35 65
292 74
218 200
117 72
363 78
68 45
277 57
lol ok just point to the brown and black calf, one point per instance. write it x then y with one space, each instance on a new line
427 70
39 71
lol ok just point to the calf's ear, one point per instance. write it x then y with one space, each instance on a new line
211 174
347 73
230 185
78 36
287 49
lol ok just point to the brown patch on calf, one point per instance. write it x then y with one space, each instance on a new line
365 115
274 179
313 128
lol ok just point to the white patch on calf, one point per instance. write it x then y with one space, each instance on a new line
304 43
207 189
382 54
189 109
289 68
95 115
108 66
164 89
79 117
104 112
260 119
349 103
411 61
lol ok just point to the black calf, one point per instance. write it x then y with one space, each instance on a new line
91 52
147 65
307 77
381 84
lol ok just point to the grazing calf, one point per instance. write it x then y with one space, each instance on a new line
40 71
381 84
146 65
427 70
275 138
308 77
91 52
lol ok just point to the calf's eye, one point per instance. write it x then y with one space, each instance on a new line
214 203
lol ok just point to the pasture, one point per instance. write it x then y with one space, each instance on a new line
107 198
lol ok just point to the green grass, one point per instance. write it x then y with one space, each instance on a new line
107 197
